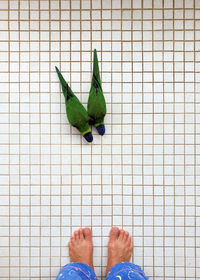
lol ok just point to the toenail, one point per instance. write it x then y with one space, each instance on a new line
115 229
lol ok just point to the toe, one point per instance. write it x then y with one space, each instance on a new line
72 239
131 245
76 235
81 234
129 241
114 233
87 233
121 234
126 235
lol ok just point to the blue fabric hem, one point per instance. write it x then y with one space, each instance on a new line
82 271
126 270
85 266
79 271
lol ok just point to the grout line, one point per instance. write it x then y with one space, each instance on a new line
40 119
113 144
19 157
184 265
105 194
163 139
61 141
70 59
9 130
50 162
116 61
121 118
132 140
105 41
102 192
195 152
29 156
91 159
107 216
111 130
142 50
123 9
153 135
174 252
81 138
114 112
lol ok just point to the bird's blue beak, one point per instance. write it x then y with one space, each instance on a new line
88 136
101 129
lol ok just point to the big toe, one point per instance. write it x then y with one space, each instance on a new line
114 233
87 233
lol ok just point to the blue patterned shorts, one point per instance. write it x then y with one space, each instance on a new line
120 271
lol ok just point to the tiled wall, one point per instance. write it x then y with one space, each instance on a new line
143 175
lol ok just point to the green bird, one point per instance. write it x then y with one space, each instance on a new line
96 106
76 113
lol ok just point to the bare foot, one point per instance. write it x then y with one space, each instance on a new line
81 247
120 247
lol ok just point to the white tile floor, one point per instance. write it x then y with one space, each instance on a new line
143 175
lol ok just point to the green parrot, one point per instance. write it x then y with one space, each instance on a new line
76 113
96 106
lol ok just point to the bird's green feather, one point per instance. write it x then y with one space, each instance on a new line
96 106
76 113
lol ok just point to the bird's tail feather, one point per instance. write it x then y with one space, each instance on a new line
95 65
66 89
96 80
